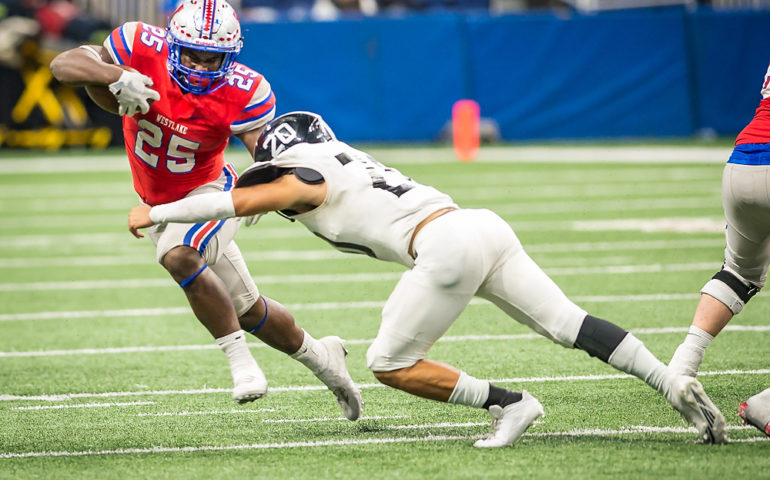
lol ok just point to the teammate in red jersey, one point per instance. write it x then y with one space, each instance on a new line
184 98
746 204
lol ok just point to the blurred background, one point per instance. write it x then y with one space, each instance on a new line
389 71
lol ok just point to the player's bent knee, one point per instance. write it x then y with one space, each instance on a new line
248 305
731 290
182 261
381 360
386 378
399 379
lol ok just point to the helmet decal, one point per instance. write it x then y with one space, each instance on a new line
283 135
288 130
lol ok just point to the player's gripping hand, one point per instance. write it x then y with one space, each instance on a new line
133 92
139 217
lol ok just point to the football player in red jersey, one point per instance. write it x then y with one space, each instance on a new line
182 99
746 204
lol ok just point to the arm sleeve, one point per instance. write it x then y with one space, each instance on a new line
198 208
120 43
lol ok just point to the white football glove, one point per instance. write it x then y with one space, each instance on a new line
252 219
132 90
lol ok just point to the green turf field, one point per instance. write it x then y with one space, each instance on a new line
105 373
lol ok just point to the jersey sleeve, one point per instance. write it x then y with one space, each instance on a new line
120 43
259 110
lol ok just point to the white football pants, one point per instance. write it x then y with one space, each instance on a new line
214 241
461 254
746 203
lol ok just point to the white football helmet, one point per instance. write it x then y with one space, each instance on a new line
203 25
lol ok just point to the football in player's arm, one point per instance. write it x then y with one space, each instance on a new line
358 205
182 94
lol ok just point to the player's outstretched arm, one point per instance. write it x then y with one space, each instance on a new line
286 192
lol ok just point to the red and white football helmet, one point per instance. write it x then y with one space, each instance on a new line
208 26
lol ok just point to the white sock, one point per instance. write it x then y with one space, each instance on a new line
689 355
311 354
234 345
631 356
470 391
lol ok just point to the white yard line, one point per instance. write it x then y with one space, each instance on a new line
625 245
118 205
168 282
138 259
679 225
437 425
630 429
307 388
652 154
575 154
329 254
340 277
253 446
360 341
505 207
633 430
330 419
374 304
209 412
83 405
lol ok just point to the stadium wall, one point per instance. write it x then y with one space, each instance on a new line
645 73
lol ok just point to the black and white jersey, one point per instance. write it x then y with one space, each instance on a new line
369 208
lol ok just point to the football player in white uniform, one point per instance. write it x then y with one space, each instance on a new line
358 205
745 201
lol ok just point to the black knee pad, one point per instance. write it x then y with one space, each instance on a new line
599 338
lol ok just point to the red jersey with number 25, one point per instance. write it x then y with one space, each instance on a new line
178 145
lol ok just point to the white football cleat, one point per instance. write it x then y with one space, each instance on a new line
510 422
336 377
687 396
250 386
756 411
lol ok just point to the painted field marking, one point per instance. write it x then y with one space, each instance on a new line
340 277
307 388
330 419
83 405
634 430
357 341
558 207
209 412
324 254
374 304
330 254
116 260
537 154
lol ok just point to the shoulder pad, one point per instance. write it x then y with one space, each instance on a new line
308 175
263 172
